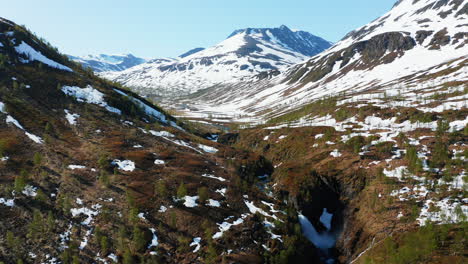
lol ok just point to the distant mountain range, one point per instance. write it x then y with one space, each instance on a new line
245 53
104 62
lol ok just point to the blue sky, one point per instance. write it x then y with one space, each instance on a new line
157 28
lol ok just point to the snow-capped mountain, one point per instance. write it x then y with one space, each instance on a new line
417 47
244 53
104 62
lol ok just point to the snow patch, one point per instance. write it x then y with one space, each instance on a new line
34 55
125 165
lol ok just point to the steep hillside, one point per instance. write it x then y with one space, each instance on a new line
92 173
244 53
417 49
104 62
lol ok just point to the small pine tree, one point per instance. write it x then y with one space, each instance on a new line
2 147
181 191
104 245
202 195
133 215
36 226
440 153
97 235
173 219
127 257
138 239
66 204
211 254
50 223
130 198
40 196
75 260
104 179
183 246
414 163
103 162
122 237
161 189
47 128
10 240
20 182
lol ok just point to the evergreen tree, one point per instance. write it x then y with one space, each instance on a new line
11 240
65 204
161 189
181 191
104 245
122 238
133 215
103 162
414 163
138 239
183 244
37 159
211 254
130 199
20 181
36 226
40 196
127 257
173 219
104 179
50 223
440 153
75 260
47 128
202 195
97 235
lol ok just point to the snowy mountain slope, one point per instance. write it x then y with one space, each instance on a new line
416 47
104 62
244 53
190 52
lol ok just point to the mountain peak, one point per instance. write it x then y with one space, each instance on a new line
250 30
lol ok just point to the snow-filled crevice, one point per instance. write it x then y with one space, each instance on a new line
325 240
321 219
